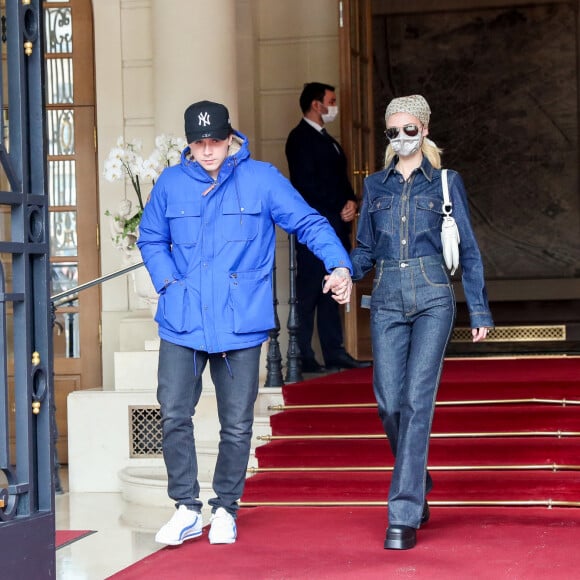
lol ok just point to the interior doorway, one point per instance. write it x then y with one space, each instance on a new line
357 135
72 171
507 120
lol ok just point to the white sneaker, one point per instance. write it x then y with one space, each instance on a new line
184 525
223 527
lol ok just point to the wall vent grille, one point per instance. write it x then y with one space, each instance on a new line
145 437
515 334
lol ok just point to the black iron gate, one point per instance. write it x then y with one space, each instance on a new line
26 417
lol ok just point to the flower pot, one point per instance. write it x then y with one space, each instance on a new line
142 281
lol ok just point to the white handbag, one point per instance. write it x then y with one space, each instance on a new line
449 232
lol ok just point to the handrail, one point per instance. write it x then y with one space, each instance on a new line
73 292
96 281
274 358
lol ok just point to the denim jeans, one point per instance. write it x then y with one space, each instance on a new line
235 376
412 316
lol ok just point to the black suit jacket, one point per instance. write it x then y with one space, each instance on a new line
318 170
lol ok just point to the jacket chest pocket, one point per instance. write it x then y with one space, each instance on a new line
428 214
381 214
241 221
184 222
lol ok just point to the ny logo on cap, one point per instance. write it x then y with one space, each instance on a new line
203 119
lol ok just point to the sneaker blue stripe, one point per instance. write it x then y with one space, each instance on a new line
189 532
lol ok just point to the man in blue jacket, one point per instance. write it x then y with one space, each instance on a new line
208 239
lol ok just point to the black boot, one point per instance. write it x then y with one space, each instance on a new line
400 538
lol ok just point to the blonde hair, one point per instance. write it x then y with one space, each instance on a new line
428 148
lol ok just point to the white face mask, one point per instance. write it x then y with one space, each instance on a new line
331 115
404 145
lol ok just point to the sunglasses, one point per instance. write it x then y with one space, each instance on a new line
409 130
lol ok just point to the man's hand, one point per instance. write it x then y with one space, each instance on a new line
348 211
340 283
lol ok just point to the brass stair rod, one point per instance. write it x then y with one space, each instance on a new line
456 435
473 402
549 503
541 467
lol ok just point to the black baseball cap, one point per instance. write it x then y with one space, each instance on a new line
205 120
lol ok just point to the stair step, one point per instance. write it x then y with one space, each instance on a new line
458 452
516 418
544 488
361 391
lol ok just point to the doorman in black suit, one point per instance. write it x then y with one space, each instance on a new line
318 170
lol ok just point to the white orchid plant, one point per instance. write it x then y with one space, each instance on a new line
126 160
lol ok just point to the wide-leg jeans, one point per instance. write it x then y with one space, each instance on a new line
235 376
412 316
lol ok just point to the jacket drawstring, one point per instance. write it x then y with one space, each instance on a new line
225 357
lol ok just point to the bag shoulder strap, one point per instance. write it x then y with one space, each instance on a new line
447 205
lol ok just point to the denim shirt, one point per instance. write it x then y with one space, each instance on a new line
400 220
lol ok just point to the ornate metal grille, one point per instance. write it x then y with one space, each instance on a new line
145 439
515 334
26 356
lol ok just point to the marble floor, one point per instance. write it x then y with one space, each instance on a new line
124 533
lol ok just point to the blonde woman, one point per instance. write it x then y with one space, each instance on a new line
412 305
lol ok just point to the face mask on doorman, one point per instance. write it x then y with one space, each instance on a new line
331 115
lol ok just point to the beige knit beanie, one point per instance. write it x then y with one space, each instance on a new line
415 105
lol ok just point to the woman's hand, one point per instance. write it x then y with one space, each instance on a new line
479 334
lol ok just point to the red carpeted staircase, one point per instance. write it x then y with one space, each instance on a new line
505 432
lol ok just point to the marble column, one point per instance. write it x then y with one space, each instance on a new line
194 56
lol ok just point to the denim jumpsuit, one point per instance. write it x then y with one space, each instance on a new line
413 312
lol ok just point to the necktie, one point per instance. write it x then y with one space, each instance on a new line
325 133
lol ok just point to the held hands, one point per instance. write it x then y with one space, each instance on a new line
479 334
340 283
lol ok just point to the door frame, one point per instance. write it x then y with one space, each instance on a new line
85 371
357 137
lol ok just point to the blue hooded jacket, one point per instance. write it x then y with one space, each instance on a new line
209 247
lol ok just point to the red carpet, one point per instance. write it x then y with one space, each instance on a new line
461 379
339 543
505 459
504 431
65 537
